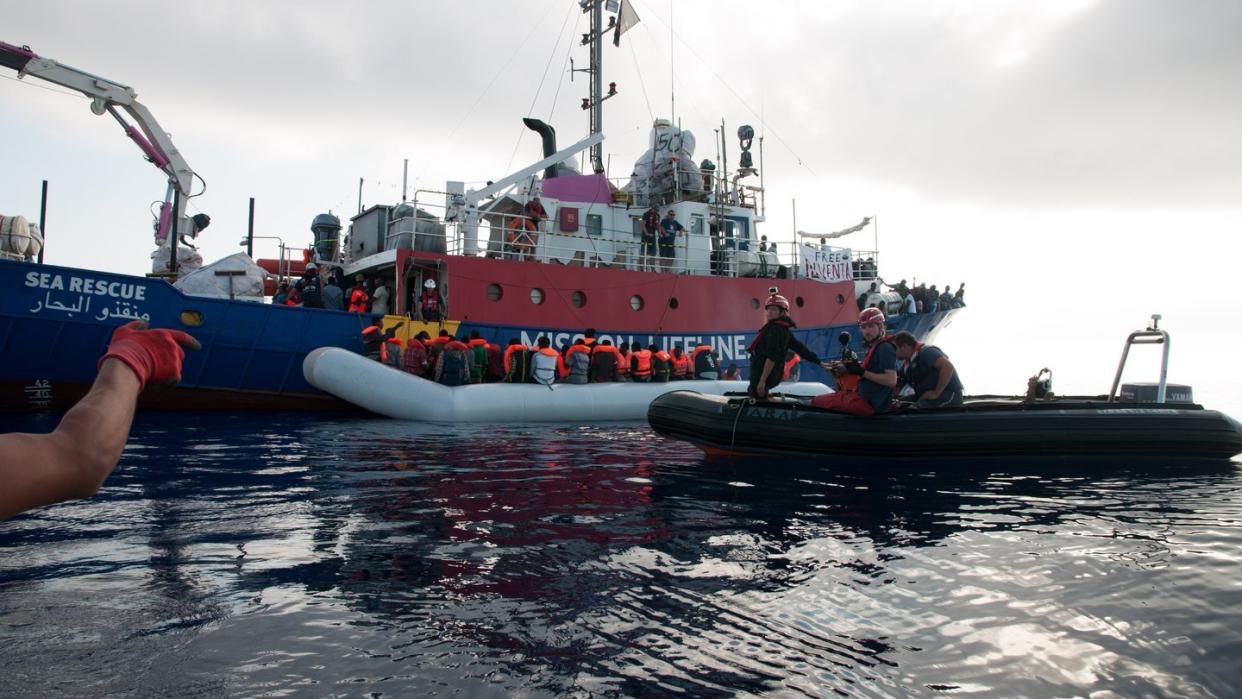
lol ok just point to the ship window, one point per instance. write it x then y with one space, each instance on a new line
494 292
578 299
798 300
636 302
672 302
754 303
595 224
191 319
638 227
536 296
840 300
696 224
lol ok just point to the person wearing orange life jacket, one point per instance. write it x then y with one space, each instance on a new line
377 343
495 364
866 387
434 349
681 365
578 361
415 355
516 362
769 348
792 372
623 362
706 367
604 362
546 365
641 365
588 337
454 365
393 353
373 341
661 365
359 299
478 349
431 303
732 373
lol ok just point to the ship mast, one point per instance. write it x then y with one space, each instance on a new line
595 103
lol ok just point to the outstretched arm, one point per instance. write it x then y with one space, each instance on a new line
73 461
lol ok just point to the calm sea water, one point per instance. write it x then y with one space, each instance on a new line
287 554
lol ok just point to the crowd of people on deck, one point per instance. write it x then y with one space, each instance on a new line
454 361
918 299
366 296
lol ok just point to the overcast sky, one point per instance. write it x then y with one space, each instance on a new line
1059 156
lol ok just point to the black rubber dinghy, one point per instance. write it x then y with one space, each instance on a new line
989 426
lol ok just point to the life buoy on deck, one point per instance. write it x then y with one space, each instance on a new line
522 236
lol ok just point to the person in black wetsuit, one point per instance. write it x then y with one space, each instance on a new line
774 340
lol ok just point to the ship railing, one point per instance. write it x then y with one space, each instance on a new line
674 195
601 247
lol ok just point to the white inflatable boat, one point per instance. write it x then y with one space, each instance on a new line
396 394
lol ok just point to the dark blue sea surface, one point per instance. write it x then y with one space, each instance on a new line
298 555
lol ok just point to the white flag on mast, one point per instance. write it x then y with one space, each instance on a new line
626 19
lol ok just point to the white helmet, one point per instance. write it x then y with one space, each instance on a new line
429 284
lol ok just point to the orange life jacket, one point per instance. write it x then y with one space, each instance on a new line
430 301
663 364
358 300
789 365
515 363
396 343
849 382
623 363
643 367
681 366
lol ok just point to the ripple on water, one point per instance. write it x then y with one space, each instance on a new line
324 555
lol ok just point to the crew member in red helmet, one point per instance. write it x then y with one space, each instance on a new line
767 351
866 387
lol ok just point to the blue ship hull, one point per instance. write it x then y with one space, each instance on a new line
55 322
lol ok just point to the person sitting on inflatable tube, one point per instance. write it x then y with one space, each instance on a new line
928 371
872 390
767 351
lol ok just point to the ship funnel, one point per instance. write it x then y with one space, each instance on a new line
548 134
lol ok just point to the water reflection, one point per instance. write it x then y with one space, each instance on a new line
607 560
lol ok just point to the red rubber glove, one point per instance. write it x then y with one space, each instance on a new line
153 355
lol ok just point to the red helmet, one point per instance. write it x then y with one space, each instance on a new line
779 301
871 315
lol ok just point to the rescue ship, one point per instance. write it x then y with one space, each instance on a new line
500 272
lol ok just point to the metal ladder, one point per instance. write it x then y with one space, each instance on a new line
1153 335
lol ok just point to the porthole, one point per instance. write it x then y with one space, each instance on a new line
754 303
192 319
840 300
494 292
798 301
672 302
636 302
578 299
536 296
